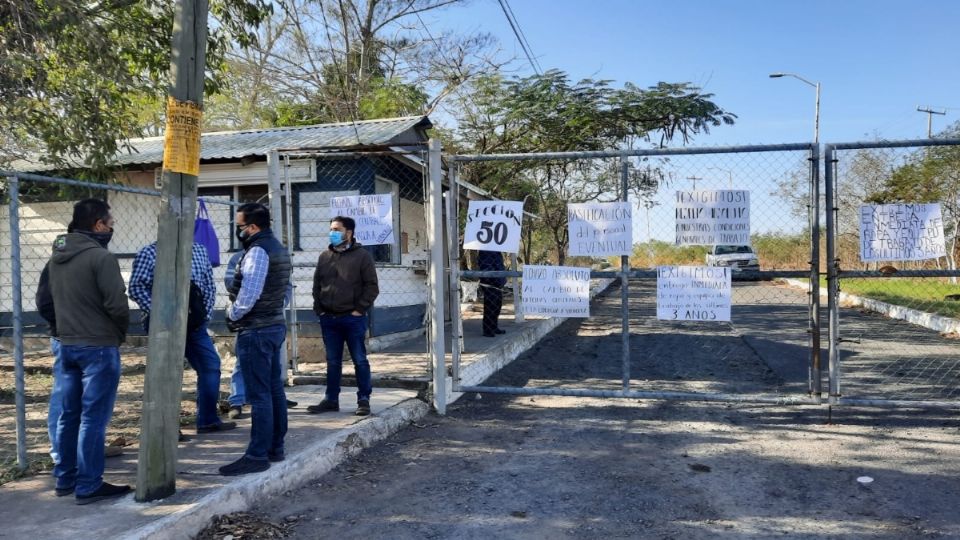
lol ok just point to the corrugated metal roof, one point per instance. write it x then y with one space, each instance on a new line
257 142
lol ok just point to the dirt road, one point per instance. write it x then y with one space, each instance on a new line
560 467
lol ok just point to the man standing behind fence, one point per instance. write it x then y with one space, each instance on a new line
344 288
256 313
92 317
199 351
492 288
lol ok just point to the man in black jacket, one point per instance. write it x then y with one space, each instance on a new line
344 288
492 288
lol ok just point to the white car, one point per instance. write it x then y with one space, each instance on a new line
735 257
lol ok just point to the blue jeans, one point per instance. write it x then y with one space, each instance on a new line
90 379
352 330
56 400
204 359
258 352
238 394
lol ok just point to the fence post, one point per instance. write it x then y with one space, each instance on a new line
515 266
294 360
815 378
160 420
17 285
832 286
435 237
453 247
625 281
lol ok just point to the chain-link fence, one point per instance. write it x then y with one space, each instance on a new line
896 297
746 213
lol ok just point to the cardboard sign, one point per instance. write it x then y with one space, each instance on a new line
494 226
693 293
901 232
705 218
557 291
600 229
181 138
373 214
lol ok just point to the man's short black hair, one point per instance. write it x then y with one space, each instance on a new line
87 213
256 214
347 222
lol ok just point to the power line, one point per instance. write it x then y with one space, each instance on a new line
515 26
522 33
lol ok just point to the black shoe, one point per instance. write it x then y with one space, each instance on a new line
180 436
275 457
291 404
104 492
363 407
236 411
324 406
499 331
63 492
222 426
245 465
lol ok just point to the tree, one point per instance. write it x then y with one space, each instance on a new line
350 60
78 76
549 113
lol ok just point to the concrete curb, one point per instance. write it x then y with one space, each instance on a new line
313 461
483 366
944 325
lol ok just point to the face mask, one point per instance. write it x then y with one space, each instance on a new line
336 238
242 233
102 238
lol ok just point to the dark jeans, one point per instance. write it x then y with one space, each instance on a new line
204 359
492 303
352 330
90 376
258 351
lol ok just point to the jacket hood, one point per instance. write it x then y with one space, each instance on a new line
67 246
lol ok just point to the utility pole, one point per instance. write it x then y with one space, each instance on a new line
160 418
930 112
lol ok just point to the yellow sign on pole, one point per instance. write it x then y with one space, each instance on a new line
181 144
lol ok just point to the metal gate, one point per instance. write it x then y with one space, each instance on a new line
769 351
893 323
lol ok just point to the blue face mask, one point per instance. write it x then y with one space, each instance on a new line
336 238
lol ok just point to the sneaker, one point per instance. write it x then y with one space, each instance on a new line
275 457
104 492
180 436
245 465
222 426
112 451
363 407
236 411
291 404
324 406
63 492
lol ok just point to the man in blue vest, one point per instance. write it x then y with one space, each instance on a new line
256 314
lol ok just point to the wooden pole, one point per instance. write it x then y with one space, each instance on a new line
160 420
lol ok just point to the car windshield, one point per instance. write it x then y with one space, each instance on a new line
727 250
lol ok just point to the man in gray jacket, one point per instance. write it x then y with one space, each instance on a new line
90 301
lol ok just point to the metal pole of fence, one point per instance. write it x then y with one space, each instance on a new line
814 381
14 186
294 325
435 237
454 250
832 289
625 281
517 308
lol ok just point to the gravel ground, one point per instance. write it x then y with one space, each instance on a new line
561 467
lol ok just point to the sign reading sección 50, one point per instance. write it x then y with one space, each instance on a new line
493 226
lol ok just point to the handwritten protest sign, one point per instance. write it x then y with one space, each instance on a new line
557 291
704 218
599 229
373 214
493 226
693 293
901 232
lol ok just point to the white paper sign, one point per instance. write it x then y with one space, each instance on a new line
599 229
704 218
901 232
557 291
494 226
693 293
373 214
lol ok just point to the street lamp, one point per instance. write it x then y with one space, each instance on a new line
816 118
729 174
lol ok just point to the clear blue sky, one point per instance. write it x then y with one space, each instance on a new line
875 59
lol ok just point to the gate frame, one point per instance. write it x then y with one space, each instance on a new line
813 396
